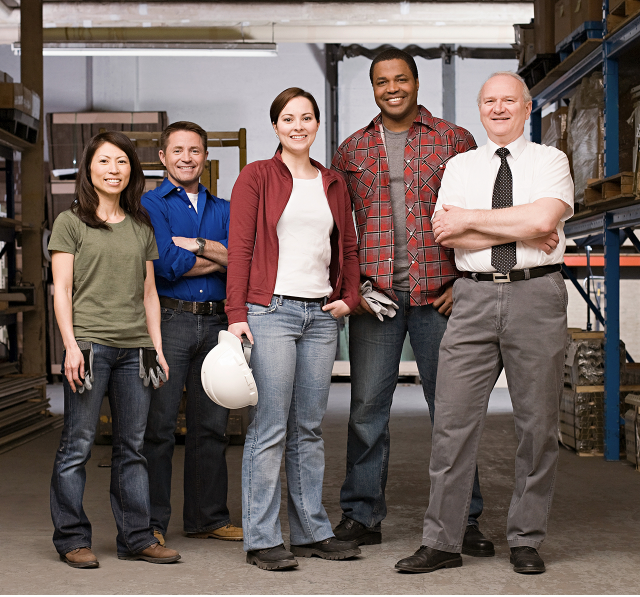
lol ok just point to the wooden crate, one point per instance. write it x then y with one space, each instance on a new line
618 186
620 12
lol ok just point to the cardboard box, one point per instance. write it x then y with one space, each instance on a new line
12 96
562 21
525 37
585 10
544 21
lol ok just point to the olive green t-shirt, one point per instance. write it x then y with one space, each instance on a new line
109 270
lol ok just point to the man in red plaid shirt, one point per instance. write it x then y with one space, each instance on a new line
393 168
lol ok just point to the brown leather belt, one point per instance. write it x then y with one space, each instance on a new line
515 275
206 308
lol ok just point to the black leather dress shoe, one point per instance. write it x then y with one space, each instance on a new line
329 549
427 559
350 530
526 560
272 558
476 544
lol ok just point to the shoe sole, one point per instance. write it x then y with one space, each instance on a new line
277 565
94 564
134 557
308 552
210 536
476 553
448 564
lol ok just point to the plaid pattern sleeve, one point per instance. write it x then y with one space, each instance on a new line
362 160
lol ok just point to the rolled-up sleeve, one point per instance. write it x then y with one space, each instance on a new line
173 261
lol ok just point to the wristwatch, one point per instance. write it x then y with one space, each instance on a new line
201 244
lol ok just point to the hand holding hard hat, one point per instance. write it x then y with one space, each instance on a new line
226 376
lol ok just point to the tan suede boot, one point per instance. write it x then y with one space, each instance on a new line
156 554
82 557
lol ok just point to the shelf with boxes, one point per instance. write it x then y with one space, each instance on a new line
599 80
19 113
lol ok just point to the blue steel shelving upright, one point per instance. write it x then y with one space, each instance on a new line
612 223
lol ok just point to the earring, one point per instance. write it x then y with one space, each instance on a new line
277 137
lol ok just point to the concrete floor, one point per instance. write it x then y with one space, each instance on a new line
592 545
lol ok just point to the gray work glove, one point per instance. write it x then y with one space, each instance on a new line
150 369
86 348
378 302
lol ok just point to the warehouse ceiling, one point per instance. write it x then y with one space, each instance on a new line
276 21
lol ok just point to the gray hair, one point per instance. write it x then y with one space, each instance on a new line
526 95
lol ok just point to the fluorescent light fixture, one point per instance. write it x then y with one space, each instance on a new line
241 50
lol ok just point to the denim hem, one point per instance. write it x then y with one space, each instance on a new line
524 543
376 528
72 548
214 527
127 553
316 541
442 546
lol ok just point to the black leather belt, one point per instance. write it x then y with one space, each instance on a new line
515 275
206 308
303 299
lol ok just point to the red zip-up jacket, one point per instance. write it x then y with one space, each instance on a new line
258 199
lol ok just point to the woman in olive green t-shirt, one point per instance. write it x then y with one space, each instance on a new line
108 312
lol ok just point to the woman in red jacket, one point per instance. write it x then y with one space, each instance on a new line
293 271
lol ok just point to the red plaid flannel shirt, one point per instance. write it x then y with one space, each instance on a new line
362 160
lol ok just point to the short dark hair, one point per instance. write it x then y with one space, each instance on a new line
394 54
285 97
86 201
182 125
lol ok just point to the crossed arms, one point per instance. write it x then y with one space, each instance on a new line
534 224
214 258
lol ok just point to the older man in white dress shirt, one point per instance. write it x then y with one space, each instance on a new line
502 208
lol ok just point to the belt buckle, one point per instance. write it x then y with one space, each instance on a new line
499 278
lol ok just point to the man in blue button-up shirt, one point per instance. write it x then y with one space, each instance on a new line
192 228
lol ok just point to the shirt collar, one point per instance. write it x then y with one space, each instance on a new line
515 147
167 187
423 117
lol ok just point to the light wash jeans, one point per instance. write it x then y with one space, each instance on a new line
292 359
115 369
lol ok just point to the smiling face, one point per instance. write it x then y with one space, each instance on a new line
110 171
502 109
297 126
396 93
184 159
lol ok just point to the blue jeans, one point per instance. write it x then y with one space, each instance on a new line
115 369
186 341
374 351
292 359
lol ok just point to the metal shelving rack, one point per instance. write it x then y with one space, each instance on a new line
611 223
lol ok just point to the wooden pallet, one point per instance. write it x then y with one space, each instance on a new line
618 186
587 30
620 12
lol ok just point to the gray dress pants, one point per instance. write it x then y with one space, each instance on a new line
522 327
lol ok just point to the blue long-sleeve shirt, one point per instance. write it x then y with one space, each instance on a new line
172 214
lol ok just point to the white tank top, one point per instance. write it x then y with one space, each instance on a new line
304 231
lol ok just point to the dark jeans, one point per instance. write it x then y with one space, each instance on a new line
186 341
374 351
118 370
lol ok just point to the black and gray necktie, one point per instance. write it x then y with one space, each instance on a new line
503 257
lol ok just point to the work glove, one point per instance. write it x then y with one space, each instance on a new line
378 302
87 352
150 369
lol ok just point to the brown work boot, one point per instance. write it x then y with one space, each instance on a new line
82 557
156 554
225 533
160 537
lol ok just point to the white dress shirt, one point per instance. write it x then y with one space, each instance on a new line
304 238
538 171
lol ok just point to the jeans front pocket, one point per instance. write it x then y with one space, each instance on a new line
255 309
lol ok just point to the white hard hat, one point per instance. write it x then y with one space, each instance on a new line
226 376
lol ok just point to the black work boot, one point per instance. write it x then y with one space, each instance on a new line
476 544
272 558
329 549
526 560
427 559
350 530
